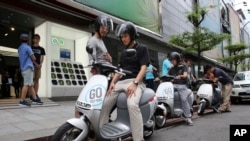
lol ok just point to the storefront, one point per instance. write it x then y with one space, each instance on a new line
63 37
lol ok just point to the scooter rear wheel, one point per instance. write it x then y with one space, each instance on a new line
201 108
67 132
160 121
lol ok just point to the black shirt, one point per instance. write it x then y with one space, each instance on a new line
38 52
134 64
179 70
222 76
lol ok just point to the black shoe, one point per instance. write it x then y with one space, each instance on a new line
32 99
37 102
24 103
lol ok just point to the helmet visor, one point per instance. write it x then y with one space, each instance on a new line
107 22
120 29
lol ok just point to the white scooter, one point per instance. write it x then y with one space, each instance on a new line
208 96
89 105
169 102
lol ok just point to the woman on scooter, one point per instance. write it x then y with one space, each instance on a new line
130 83
180 71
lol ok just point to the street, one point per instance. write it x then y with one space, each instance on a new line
210 127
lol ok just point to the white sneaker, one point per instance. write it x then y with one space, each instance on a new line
190 122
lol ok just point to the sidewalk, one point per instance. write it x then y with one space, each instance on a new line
27 124
19 124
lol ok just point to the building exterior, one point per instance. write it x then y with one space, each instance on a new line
66 25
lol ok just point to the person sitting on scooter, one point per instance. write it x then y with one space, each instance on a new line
180 71
130 83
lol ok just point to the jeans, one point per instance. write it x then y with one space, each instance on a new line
184 92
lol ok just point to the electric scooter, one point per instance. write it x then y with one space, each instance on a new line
169 102
89 105
209 96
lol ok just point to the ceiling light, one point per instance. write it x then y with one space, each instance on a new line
6 34
12 28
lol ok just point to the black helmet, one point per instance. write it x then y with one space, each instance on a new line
103 21
175 56
127 27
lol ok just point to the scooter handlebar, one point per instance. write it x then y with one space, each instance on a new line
167 78
205 80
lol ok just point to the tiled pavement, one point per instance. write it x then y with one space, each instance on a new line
38 123
18 124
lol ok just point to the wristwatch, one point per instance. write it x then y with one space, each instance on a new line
135 82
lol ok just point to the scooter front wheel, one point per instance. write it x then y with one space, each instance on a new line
68 132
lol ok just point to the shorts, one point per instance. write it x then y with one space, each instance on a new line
28 77
37 73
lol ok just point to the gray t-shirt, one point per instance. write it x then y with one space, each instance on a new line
99 49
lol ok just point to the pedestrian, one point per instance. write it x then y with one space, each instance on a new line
39 53
2 69
132 84
26 59
7 81
166 65
180 71
226 83
103 25
150 76
191 77
17 82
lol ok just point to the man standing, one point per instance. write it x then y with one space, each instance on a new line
39 53
166 65
227 85
26 59
103 25
191 77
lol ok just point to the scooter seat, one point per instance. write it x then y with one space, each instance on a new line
146 96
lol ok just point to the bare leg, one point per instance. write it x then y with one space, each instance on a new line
36 85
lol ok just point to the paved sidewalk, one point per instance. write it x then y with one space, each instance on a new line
29 123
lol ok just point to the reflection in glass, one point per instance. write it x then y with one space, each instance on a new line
65 70
71 71
75 66
69 65
72 76
61 82
77 71
82 72
54 82
53 75
80 66
78 77
58 70
56 64
63 64
59 76
68 82
80 83
74 82
66 76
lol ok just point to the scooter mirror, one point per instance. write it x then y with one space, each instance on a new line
130 53
89 50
